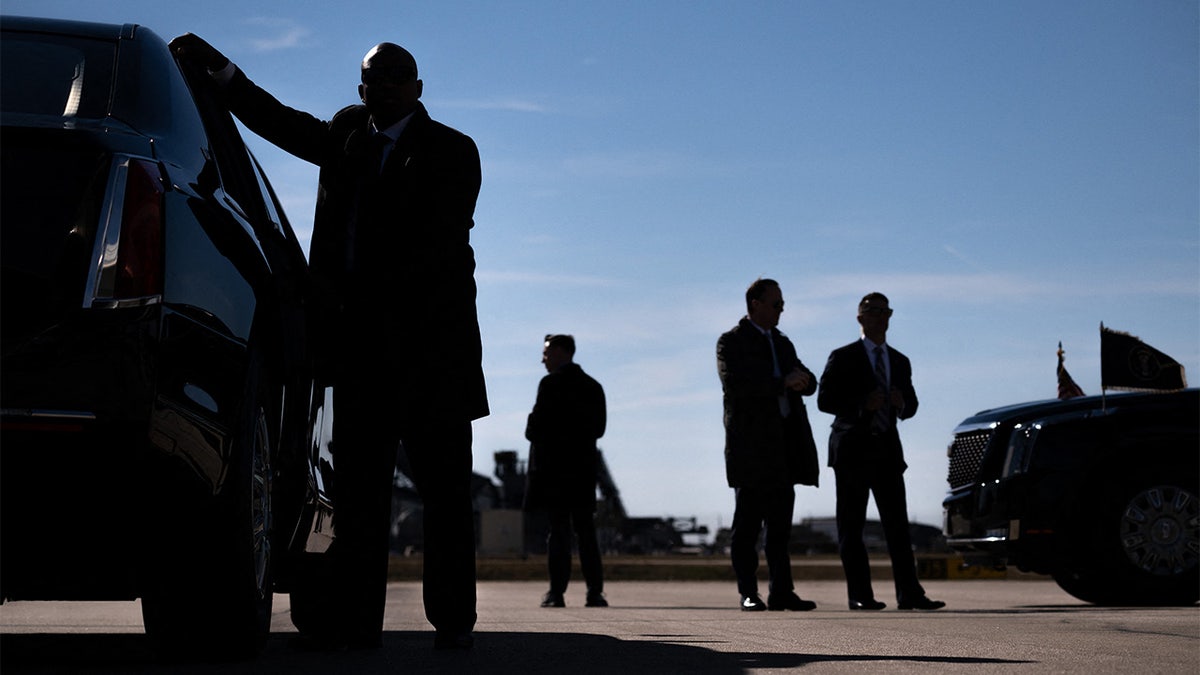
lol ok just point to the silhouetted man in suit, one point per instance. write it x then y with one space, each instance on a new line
393 271
768 444
568 416
867 387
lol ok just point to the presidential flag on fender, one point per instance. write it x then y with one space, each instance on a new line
1128 363
1066 384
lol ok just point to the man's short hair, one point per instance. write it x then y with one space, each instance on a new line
758 289
563 342
876 296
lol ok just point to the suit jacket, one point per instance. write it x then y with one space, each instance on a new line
568 416
763 448
390 256
845 385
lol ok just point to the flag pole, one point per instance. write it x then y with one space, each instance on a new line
1103 391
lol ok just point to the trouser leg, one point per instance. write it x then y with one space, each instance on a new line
853 490
747 526
589 550
364 449
781 503
890 499
439 453
558 550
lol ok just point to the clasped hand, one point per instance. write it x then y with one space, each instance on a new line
877 399
797 380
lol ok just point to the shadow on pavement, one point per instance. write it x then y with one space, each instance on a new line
412 652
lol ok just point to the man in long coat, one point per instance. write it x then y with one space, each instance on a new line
394 273
768 444
568 416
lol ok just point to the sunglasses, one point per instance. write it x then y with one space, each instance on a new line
393 75
876 311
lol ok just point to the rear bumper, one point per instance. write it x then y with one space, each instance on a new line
67 494
116 444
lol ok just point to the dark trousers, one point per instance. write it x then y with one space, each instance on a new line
558 545
854 486
367 432
755 508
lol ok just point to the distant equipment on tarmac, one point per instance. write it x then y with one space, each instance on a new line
503 528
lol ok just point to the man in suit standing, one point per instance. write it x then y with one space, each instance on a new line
768 444
393 271
568 416
867 387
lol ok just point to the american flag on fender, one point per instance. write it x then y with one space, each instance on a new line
1066 384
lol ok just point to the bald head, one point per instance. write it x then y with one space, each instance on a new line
387 54
390 88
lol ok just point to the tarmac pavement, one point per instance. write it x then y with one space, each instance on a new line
989 626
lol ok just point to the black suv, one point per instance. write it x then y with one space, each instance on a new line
158 408
1099 492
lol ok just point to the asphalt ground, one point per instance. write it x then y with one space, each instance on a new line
989 626
703 568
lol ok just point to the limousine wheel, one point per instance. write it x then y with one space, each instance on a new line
211 598
1143 550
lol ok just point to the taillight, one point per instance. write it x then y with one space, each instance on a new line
139 268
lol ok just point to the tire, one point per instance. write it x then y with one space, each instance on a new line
212 598
1086 586
1146 550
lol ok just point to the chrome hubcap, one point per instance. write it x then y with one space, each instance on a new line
1160 530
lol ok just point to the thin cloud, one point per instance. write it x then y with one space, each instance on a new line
283 34
975 288
954 252
628 165
671 402
504 104
641 164
538 279
944 287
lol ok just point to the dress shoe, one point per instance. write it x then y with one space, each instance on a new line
753 603
553 599
871 605
453 640
790 602
922 603
595 599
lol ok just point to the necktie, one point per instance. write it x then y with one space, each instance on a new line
784 406
379 144
883 418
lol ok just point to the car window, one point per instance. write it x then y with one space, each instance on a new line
150 95
274 212
228 150
55 75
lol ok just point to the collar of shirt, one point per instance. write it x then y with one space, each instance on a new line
870 347
764 331
393 132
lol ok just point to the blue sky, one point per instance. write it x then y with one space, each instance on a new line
1011 174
